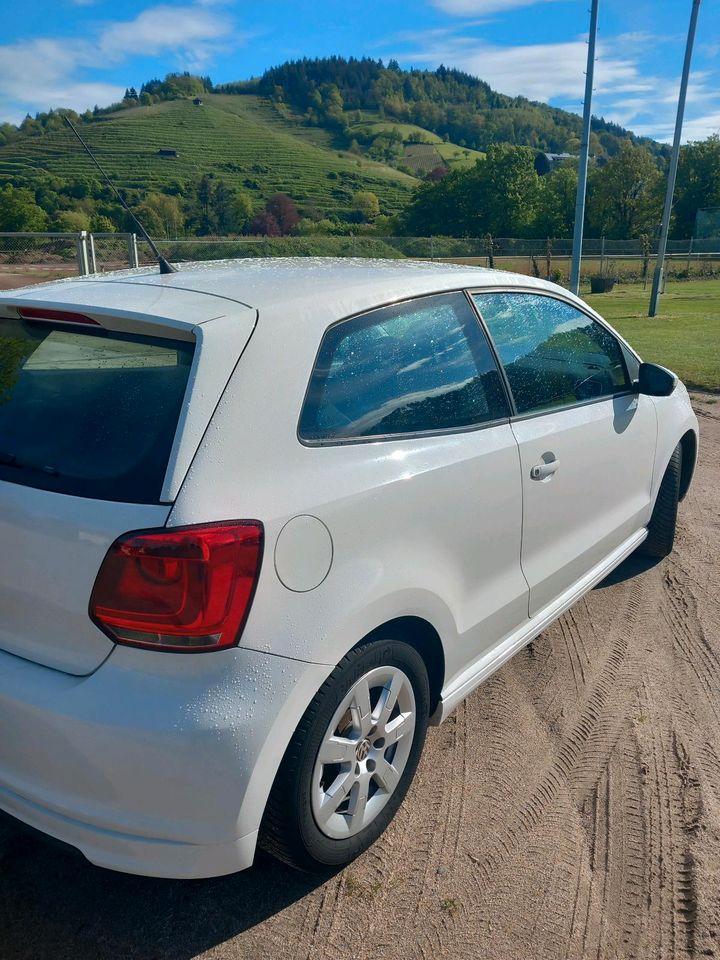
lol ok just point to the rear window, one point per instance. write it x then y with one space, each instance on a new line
90 413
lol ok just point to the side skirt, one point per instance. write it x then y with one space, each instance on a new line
489 662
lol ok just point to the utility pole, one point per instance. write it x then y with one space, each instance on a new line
672 173
584 153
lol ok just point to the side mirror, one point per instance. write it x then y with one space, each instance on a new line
655 381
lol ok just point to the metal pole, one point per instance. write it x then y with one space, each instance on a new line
584 154
92 260
672 173
132 250
82 253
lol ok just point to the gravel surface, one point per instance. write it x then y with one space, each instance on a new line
569 809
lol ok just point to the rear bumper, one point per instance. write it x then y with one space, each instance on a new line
132 854
156 764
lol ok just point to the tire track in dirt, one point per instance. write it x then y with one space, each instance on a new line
587 746
416 850
570 810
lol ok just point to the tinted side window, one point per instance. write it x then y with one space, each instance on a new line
553 354
409 368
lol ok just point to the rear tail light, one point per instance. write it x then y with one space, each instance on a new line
189 589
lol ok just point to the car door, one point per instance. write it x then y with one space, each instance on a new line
587 441
421 485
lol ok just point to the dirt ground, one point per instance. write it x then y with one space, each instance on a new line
12 277
570 809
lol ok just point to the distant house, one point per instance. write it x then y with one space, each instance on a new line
197 102
545 162
164 152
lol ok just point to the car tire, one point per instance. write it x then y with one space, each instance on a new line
377 756
661 529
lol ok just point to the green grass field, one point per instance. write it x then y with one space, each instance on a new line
241 139
685 336
451 154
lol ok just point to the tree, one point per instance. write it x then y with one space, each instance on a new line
19 212
283 210
367 205
149 216
233 208
102 224
698 183
165 213
624 196
206 213
500 195
510 191
437 173
556 214
265 224
71 221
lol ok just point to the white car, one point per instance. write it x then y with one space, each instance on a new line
261 522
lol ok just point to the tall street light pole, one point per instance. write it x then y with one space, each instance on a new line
584 153
672 174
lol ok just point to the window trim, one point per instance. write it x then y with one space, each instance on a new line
417 434
581 308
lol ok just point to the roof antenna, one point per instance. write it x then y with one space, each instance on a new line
165 266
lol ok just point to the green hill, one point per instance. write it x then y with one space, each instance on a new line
328 132
237 139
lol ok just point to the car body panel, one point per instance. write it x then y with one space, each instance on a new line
162 763
51 548
59 541
154 764
599 495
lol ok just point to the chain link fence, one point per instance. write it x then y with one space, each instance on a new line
35 256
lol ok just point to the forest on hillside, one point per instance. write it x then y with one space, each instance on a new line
501 193
446 101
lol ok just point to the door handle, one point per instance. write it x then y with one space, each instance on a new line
545 469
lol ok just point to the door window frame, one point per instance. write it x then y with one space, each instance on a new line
417 434
623 346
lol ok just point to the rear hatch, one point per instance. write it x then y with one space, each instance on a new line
105 392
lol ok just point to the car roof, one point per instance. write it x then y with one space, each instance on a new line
320 289
276 281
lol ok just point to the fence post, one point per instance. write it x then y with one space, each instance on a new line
132 250
92 261
432 249
489 248
82 253
690 252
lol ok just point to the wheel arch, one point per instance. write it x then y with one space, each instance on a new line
423 637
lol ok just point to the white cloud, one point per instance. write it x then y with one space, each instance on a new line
624 90
539 71
695 128
473 8
46 73
193 31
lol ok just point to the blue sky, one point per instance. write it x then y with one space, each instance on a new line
81 52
